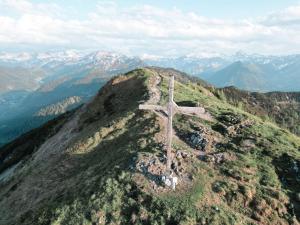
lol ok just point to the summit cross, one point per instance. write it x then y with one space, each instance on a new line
168 111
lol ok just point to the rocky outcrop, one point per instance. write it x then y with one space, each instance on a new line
231 124
60 107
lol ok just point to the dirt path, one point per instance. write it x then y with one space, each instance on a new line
154 89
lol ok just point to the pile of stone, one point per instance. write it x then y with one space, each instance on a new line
170 181
144 165
231 124
233 130
154 169
230 119
197 140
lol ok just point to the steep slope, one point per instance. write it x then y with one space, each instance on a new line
102 163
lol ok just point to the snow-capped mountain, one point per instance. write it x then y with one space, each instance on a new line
47 66
50 66
69 57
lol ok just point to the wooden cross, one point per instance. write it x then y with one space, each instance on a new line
170 110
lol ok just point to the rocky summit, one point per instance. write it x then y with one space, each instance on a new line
104 162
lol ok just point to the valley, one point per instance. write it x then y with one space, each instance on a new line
62 76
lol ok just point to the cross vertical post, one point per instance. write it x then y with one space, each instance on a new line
167 112
170 123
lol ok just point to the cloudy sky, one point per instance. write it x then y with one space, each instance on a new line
157 27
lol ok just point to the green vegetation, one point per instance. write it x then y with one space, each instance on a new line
282 108
95 179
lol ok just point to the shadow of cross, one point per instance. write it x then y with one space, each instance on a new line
168 111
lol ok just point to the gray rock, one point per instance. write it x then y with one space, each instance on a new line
298 197
152 162
197 141
170 181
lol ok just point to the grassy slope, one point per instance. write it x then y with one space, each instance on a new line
93 182
281 107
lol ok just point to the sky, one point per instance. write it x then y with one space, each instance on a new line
152 28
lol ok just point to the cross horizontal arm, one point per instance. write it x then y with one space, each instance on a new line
196 111
153 107
190 110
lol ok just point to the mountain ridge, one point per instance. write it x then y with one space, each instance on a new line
102 163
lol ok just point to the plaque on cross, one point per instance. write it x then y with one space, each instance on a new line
168 111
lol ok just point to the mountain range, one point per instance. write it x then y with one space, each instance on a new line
248 72
35 86
103 162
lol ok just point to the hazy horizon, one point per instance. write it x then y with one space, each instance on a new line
83 52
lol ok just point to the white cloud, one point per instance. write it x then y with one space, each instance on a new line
288 16
26 7
21 6
147 29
